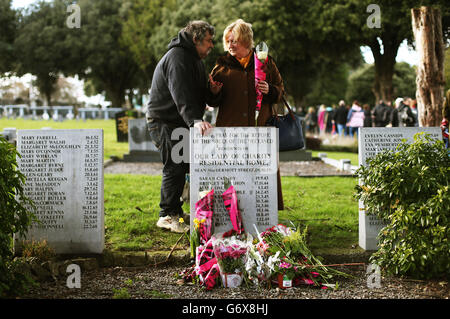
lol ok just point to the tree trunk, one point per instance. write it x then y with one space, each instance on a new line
384 66
427 27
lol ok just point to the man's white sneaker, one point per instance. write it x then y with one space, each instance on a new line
172 223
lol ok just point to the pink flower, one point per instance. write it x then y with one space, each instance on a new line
285 265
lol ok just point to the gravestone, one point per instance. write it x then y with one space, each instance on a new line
372 141
245 157
141 148
64 171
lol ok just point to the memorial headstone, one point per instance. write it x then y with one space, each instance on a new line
244 157
141 148
372 141
64 178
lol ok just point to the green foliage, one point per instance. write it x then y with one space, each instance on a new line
8 23
45 46
409 189
121 293
361 80
15 216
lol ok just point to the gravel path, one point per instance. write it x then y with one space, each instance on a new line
305 168
157 283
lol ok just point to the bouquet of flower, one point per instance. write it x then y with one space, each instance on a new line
230 254
291 262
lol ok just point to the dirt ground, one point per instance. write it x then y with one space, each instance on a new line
160 283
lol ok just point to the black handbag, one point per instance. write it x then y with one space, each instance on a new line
290 135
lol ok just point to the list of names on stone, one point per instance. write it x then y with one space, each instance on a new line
245 158
64 178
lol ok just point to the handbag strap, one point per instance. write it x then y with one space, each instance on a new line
287 106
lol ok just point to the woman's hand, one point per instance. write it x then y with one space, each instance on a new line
214 86
263 86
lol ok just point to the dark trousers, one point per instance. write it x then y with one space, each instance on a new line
173 175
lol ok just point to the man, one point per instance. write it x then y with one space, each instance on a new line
178 97
340 118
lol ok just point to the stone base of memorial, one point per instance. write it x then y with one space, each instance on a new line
245 157
370 142
297 156
64 178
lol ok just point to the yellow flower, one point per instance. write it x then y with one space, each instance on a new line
181 220
202 221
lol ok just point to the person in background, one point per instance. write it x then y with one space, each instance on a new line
393 115
405 114
445 119
367 116
311 120
355 118
236 71
380 114
329 118
415 112
340 118
322 118
178 97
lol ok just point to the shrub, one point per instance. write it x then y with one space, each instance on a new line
15 217
409 189
39 249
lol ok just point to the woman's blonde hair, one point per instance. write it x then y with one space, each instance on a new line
242 32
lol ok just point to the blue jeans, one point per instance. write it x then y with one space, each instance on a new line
353 130
341 129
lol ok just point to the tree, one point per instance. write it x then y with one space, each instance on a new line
360 82
383 39
108 61
46 47
8 23
427 28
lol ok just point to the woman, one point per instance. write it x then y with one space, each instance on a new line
311 120
355 118
236 71
367 115
322 119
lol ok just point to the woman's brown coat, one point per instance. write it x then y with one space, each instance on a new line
237 105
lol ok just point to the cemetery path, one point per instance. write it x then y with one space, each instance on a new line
160 283
304 168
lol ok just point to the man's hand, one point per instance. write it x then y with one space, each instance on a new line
214 86
203 126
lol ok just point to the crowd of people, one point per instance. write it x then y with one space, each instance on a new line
345 119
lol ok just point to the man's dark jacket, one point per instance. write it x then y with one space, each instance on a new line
340 115
179 90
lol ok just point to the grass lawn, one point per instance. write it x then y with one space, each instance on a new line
325 205
112 147
353 157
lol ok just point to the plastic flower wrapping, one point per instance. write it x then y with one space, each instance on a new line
261 58
231 254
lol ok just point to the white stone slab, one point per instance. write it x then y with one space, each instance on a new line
370 142
248 158
138 136
64 170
